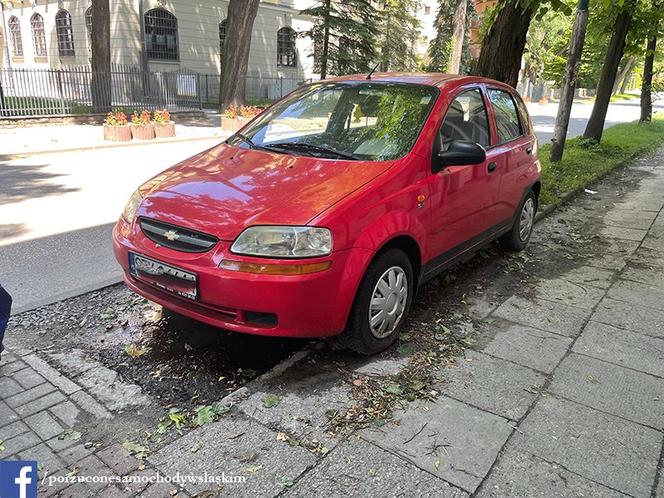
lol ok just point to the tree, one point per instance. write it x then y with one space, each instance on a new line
458 36
235 56
595 125
569 83
504 42
343 34
101 56
648 66
399 30
443 44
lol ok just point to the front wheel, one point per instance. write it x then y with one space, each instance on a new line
381 304
518 237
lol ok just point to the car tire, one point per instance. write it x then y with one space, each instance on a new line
519 235
382 281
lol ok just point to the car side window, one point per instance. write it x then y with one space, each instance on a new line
523 114
466 119
507 118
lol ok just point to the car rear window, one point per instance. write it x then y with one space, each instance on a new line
507 118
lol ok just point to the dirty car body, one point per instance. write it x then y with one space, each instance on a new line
323 215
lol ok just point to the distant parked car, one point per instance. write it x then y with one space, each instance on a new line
323 215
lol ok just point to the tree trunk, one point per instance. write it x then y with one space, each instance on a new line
595 125
502 47
458 36
324 57
235 57
646 84
623 76
101 56
576 42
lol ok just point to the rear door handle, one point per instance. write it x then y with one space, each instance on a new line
491 167
529 149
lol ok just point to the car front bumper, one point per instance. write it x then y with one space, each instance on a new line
310 305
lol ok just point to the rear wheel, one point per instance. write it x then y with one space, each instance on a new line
381 304
519 235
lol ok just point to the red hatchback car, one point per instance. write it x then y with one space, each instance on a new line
323 215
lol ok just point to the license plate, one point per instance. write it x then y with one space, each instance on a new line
166 277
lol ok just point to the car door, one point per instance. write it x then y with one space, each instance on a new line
462 196
516 145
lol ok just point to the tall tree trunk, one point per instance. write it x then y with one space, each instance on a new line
502 47
458 36
101 56
576 42
646 84
595 125
235 57
324 57
623 75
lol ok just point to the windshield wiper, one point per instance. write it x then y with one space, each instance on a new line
312 148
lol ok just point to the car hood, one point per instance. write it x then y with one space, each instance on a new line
226 189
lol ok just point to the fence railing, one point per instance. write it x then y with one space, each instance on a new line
77 90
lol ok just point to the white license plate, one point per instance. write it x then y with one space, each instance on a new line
164 276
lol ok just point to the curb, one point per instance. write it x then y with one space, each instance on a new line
115 145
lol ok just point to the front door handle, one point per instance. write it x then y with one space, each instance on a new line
491 167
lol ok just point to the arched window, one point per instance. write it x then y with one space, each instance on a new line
286 55
15 36
88 27
161 35
222 35
38 35
65 34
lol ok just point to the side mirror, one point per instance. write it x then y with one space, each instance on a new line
459 153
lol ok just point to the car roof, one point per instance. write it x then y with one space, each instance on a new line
431 79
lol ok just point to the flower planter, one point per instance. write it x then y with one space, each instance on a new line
233 124
163 130
117 133
142 132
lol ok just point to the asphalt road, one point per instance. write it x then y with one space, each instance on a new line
57 210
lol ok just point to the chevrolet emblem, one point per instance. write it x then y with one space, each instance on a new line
171 235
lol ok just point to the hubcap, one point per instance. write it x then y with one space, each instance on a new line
527 219
388 302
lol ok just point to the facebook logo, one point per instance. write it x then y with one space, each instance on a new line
18 479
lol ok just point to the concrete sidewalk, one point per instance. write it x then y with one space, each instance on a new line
561 395
40 139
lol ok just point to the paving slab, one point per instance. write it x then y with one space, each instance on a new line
358 468
44 425
13 429
590 276
28 378
7 415
106 386
44 457
654 243
606 449
647 258
614 253
40 404
638 293
643 275
302 407
382 367
25 396
623 347
448 439
569 293
623 233
235 446
529 347
628 218
629 316
522 475
492 384
20 443
545 315
659 493
633 395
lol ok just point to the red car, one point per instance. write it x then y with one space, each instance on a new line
323 215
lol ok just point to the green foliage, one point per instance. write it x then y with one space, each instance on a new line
585 162
352 31
440 48
399 31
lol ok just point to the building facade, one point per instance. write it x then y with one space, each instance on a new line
157 35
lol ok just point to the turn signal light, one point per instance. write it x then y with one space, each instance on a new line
275 269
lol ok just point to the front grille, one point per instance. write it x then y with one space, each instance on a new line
177 238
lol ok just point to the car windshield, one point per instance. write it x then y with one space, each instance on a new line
355 120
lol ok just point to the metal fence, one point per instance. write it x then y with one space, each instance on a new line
77 90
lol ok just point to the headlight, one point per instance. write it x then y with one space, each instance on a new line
284 242
130 209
